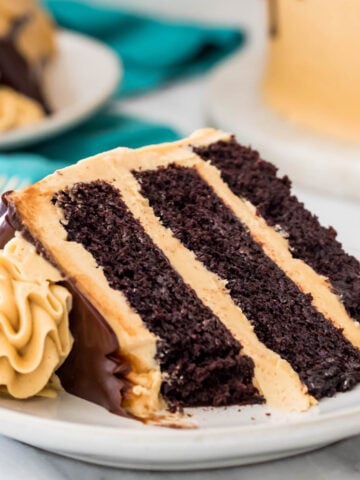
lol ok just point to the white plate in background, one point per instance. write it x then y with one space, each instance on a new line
78 81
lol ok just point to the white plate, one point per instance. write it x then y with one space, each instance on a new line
235 104
78 81
225 437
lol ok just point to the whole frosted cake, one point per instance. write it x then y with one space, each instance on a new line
26 45
312 74
189 275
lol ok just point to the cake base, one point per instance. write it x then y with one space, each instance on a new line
314 160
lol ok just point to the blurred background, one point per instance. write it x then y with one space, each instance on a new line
188 110
244 12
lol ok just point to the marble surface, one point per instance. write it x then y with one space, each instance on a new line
184 106
337 462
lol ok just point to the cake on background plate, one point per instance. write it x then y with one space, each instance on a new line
312 74
189 275
27 43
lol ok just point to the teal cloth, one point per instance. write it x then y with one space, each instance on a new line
102 132
153 52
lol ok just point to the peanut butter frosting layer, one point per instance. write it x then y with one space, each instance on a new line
283 317
199 358
34 321
276 379
244 174
307 241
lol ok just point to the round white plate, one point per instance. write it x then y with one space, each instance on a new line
78 81
235 104
224 437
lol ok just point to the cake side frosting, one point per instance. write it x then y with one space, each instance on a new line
109 307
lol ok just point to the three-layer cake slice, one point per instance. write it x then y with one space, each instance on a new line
196 278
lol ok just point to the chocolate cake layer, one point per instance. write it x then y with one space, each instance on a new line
15 71
94 370
283 317
256 180
197 354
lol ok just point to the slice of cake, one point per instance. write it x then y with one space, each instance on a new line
27 43
196 278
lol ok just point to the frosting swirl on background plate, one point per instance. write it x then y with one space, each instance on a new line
34 321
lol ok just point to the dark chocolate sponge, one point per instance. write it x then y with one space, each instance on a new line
199 355
283 317
256 180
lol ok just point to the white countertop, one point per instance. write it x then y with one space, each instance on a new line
338 462
183 106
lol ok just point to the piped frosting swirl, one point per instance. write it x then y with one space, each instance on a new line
34 321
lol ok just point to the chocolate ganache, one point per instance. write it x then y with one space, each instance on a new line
100 370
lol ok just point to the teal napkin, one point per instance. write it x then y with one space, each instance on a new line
152 51
102 132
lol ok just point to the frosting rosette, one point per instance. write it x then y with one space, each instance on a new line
34 321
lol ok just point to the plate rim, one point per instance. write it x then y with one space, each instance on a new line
157 448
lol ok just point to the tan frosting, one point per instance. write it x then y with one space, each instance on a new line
17 110
275 378
277 248
34 330
273 242
312 74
